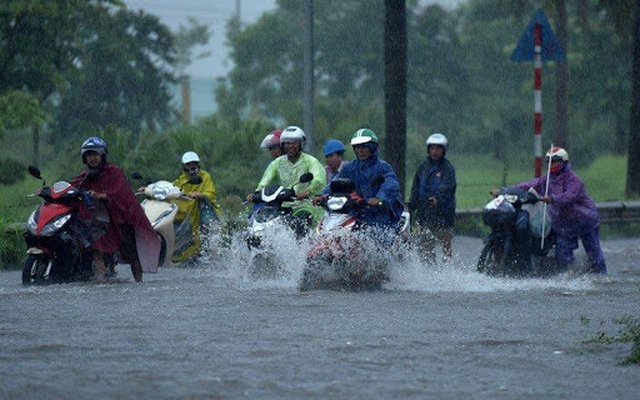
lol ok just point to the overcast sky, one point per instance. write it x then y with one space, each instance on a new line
214 13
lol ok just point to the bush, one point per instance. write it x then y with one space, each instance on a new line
12 245
11 171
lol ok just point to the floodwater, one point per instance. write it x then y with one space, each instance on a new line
212 332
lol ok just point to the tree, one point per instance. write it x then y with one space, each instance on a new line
123 71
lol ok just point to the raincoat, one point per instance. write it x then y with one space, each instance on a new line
197 210
434 179
362 173
287 174
123 209
572 212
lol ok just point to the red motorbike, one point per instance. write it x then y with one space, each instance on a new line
58 240
339 259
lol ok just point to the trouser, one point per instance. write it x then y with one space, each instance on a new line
591 242
427 237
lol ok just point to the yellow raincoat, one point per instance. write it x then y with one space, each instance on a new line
191 208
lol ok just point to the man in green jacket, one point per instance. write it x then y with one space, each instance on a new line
287 169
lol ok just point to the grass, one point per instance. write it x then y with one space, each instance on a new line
628 333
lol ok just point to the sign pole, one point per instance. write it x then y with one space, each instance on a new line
537 98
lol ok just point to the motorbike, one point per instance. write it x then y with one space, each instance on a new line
58 240
507 253
278 207
180 241
338 259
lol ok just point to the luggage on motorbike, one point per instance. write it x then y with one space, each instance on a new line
499 213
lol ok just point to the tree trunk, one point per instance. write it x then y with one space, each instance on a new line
562 79
395 57
633 170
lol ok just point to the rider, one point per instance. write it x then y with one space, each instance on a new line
433 201
271 143
287 169
334 155
572 212
204 191
383 199
129 229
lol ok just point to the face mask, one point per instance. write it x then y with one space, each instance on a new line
556 168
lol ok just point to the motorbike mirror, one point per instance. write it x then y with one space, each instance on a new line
378 180
136 176
307 177
196 180
35 172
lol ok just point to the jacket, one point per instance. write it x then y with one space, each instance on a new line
434 179
287 174
572 212
362 173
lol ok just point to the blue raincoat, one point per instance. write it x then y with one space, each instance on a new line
362 173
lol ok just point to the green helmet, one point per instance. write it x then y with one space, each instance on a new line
364 135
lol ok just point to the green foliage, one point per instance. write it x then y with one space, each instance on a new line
20 109
186 39
629 333
11 171
12 245
125 68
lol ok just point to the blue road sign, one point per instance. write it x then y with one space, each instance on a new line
551 49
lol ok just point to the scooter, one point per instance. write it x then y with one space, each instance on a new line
279 208
338 259
177 242
58 240
507 253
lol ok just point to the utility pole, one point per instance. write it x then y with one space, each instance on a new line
309 87
395 86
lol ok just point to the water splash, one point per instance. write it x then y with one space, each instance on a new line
235 262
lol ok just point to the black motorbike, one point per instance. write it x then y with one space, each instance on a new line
512 249
58 241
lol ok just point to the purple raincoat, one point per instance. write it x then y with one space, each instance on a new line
572 212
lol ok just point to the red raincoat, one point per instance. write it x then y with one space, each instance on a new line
124 209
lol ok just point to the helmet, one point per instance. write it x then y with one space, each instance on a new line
439 139
333 146
271 140
190 156
293 134
364 135
94 143
557 154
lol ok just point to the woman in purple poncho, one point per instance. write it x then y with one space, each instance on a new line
572 212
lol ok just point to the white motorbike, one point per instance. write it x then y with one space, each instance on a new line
161 211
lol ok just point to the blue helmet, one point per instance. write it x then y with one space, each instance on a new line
94 143
333 146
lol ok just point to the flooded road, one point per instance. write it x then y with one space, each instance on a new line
211 332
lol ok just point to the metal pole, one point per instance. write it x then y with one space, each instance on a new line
309 90
537 98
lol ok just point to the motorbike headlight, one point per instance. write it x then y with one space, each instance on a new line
50 228
32 224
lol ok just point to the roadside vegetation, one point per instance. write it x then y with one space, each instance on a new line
628 332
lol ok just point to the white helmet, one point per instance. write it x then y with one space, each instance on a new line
557 154
190 156
439 139
293 134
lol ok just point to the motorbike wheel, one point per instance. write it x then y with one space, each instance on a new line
492 259
34 270
311 274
